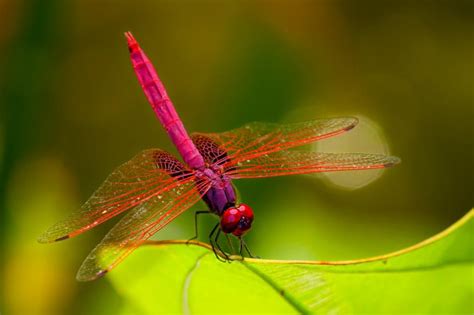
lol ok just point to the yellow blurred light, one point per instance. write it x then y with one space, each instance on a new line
39 279
36 282
366 137
2 144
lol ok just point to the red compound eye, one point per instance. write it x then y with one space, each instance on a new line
237 220
246 211
229 220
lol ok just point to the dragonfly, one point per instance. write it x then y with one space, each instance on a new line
155 187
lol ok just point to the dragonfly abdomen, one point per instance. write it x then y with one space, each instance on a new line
162 105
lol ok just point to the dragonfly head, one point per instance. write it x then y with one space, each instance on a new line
237 220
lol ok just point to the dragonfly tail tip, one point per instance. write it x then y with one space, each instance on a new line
131 41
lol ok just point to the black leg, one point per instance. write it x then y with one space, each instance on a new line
196 224
244 245
231 246
216 241
247 249
212 242
241 247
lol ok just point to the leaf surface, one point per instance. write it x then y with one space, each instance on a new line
434 276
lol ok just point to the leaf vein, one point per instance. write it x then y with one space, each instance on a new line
187 283
287 297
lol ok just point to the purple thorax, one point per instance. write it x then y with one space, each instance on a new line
221 195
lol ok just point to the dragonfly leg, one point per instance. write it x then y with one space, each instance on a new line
216 241
231 246
213 243
241 241
196 214
244 245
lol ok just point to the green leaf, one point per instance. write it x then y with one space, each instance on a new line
434 276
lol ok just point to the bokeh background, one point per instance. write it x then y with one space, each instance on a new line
72 111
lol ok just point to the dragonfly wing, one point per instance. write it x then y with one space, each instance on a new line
256 139
139 225
297 162
211 151
146 176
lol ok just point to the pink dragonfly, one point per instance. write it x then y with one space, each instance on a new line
156 187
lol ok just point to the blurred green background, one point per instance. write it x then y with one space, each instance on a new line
72 111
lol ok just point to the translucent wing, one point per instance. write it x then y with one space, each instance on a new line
257 139
296 162
148 175
210 150
139 225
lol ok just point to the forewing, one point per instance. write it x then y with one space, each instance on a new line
297 162
139 225
257 139
146 176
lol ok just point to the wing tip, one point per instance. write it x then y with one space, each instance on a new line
85 278
45 238
62 238
392 161
353 121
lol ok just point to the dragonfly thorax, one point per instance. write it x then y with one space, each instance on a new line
237 220
221 194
